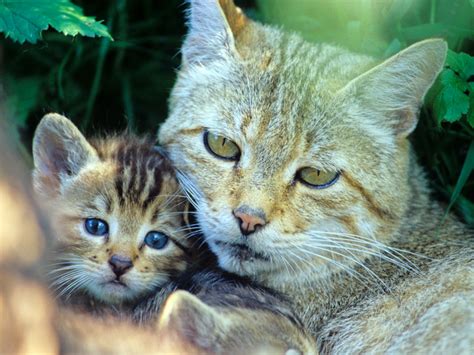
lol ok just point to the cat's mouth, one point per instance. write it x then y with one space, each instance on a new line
241 251
118 282
115 283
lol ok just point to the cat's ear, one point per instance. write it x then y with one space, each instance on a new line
59 152
394 90
213 27
189 323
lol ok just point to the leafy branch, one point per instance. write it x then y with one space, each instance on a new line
24 20
454 93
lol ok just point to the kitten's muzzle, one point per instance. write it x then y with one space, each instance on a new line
120 264
249 219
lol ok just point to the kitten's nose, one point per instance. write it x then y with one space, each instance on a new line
120 264
249 219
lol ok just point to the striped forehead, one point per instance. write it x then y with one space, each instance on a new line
140 171
270 125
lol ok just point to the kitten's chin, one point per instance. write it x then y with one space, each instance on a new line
113 292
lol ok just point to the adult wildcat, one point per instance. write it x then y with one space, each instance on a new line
297 158
122 247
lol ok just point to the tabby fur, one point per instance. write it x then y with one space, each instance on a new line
369 262
126 182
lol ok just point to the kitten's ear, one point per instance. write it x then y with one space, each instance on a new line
213 27
394 90
59 152
189 323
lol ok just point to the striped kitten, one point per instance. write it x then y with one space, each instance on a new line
122 245
116 209
298 160
29 319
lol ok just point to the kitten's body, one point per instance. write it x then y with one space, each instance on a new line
30 320
127 185
365 259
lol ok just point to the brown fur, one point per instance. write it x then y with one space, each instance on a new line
125 182
345 252
29 319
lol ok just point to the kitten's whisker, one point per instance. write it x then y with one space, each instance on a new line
173 213
65 277
77 282
192 234
63 269
188 227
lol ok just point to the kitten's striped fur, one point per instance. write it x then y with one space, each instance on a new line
352 256
126 182
123 181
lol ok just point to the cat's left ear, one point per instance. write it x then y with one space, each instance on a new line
60 151
394 90
213 28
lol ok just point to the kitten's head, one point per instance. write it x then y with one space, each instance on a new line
116 209
294 150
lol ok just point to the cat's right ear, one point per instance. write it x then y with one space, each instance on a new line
59 152
393 91
213 27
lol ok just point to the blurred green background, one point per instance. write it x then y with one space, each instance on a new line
107 86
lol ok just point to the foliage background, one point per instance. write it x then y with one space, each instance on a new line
106 86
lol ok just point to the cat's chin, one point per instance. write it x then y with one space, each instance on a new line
240 259
113 292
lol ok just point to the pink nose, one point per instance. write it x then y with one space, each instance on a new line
249 219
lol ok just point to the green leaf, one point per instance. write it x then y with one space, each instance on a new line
449 78
450 105
466 171
461 63
466 208
470 114
451 102
24 20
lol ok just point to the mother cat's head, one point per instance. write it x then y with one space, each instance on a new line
294 151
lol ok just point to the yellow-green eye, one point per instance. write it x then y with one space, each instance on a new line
221 146
317 178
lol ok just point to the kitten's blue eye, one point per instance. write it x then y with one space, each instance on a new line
156 240
96 226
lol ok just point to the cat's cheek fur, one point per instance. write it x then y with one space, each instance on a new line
296 216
